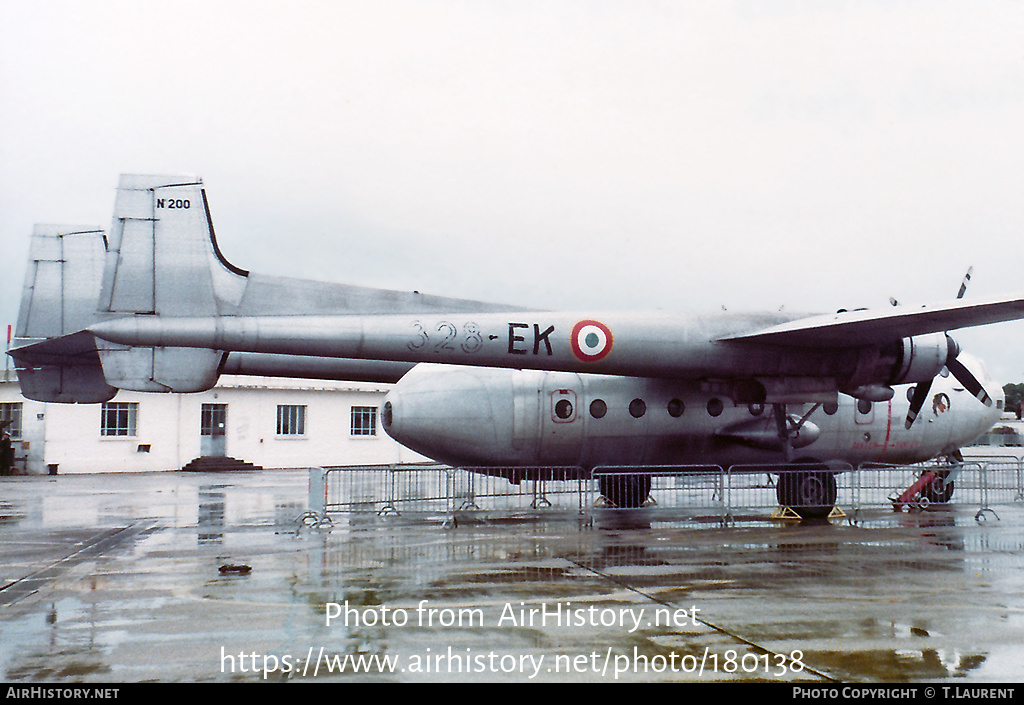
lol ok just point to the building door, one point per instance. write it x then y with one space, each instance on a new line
213 430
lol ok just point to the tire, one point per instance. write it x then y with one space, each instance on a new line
812 495
625 491
938 491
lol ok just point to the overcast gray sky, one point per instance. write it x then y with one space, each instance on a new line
603 155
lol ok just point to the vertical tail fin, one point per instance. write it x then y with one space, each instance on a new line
56 359
162 259
62 281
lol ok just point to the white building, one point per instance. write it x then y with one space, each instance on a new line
272 423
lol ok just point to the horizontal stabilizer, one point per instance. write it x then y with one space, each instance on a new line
144 369
82 384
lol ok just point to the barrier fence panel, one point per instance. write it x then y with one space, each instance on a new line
494 492
677 489
789 490
386 489
709 492
915 486
1003 478
440 490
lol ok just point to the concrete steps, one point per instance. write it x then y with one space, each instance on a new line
218 464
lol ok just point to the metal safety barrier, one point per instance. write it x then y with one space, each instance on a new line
441 491
707 492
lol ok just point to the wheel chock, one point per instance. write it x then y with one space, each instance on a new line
786 513
790 513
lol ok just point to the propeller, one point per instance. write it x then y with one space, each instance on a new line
955 367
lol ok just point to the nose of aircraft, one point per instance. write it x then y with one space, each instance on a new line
451 414
987 415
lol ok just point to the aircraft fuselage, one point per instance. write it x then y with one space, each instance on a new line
478 416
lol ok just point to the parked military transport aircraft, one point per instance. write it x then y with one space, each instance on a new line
153 305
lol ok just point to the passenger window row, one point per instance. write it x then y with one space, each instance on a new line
638 407
676 407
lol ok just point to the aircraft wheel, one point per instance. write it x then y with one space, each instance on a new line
809 494
938 491
625 491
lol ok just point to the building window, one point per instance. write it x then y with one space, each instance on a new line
118 418
364 421
291 420
10 420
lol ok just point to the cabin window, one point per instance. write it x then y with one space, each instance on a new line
598 408
676 407
863 406
755 409
715 406
830 407
563 409
637 408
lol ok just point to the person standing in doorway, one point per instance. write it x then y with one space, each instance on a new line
6 455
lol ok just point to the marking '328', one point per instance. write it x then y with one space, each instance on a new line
445 336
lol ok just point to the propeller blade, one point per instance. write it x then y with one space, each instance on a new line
965 282
967 379
917 401
962 374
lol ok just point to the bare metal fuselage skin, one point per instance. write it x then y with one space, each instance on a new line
474 416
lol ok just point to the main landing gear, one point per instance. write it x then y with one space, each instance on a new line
625 491
809 493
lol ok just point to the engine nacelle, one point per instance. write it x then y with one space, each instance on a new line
923 357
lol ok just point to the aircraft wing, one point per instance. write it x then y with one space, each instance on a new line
868 327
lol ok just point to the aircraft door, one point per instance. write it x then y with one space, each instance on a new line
213 430
526 403
561 425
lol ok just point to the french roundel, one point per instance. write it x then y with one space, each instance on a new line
590 340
